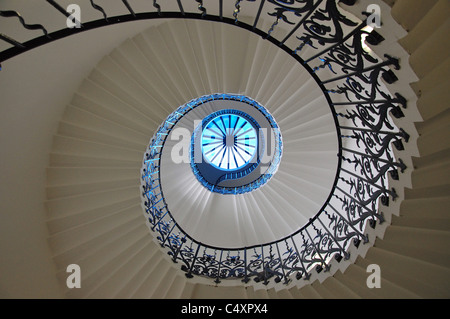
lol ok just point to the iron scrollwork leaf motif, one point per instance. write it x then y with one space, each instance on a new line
364 88
309 255
255 265
325 26
297 7
264 266
351 57
206 265
232 267
327 243
365 85
341 228
374 116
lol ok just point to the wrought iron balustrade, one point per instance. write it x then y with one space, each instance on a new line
319 35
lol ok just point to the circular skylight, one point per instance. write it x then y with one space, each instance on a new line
229 141
236 148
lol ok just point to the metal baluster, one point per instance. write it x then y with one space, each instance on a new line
149 210
400 134
390 61
201 7
400 164
346 255
272 27
261 5
157 196
156 202
11 41
363 237
286 280
160 219
10 13
152 159
246 279
398 99
217 281
264 273
97 7
390 192
168 234
324 265
348 36
153 173
397 142
326 63
375 162
125 2
58 7
307 275
170 231
157 6
236 11
149 191
156 218
340 91
301 45
362 205
174 258
189 274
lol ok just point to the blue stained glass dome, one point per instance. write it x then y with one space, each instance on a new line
229 141
235 149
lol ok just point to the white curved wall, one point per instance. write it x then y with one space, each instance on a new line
35 87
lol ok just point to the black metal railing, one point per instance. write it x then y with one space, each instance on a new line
319 35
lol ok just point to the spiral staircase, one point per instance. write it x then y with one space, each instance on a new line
93 199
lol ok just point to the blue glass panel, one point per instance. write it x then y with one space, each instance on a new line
229 142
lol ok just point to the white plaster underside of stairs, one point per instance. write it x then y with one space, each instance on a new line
95 219
255 68
132 90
